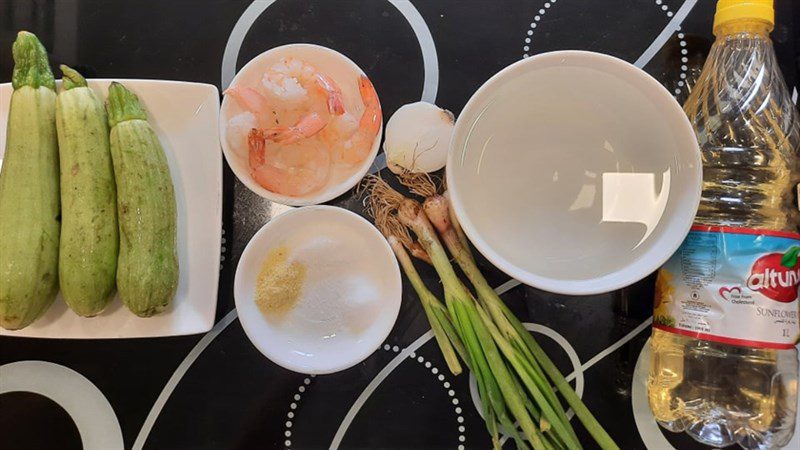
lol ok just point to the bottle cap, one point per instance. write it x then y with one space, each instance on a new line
730 10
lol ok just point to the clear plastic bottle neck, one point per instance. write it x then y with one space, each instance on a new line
748 131
742 40
747 27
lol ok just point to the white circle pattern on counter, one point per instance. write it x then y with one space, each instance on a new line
422 340
681 41
451 393
290 434
292 407
222 250
95 419
682 44
430 59
577 370
526 48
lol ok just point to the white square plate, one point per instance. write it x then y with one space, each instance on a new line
186 118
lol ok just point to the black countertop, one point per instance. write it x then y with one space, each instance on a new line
215 390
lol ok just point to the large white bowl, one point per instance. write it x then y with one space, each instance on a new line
574 172
339 67
364 269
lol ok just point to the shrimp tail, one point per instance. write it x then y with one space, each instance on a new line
372 117
249 98
333 94
359 145
256 142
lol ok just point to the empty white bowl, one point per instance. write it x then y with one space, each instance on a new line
344 72
348 303
574 172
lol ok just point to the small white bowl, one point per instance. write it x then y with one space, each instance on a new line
574 172
339 67
345 255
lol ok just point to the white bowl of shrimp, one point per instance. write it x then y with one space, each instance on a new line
300 124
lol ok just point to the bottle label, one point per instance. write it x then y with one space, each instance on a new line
732 285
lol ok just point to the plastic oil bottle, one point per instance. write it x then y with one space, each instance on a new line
724 363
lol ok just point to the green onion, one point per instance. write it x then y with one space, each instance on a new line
486 359
437 208
513 373
437 314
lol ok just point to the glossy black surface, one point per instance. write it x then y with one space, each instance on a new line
232 397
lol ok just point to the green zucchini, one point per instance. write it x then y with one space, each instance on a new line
87 263
29 198
147 269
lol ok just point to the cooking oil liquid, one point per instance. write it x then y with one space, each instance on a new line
722 394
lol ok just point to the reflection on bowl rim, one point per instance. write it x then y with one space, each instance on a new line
608 282
329 193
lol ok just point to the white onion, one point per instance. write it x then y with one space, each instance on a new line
417 138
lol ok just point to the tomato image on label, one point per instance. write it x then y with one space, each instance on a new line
776 275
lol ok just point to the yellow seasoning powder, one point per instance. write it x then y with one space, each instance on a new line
279 284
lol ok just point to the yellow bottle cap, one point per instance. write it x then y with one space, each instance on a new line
730 10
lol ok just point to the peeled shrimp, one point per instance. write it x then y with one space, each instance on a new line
335 100
290 83
255 103
354 145
307 126
300 128
291 79
292 170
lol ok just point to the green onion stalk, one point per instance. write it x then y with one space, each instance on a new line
437 314
381 204
519 347
511 370
486 360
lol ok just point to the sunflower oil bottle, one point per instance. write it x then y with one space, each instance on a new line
724 363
